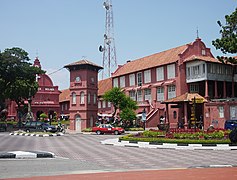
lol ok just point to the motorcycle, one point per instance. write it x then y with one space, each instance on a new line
61 129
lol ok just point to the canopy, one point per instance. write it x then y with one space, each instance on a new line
187 97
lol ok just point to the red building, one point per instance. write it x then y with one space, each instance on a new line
185 85
45 100
165 84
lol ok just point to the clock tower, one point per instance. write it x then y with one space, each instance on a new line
83 94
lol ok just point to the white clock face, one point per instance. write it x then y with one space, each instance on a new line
78 79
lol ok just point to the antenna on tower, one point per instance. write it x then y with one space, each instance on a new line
108 49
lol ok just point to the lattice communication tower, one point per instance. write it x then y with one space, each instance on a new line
109 52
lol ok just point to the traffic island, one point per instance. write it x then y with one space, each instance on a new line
26 154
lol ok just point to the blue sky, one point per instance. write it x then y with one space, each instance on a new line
65 31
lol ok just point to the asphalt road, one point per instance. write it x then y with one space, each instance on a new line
76 154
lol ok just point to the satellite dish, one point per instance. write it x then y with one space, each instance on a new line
101 49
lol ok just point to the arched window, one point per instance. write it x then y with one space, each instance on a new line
82 97
74 98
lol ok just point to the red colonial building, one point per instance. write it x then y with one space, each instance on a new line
184 85
44 101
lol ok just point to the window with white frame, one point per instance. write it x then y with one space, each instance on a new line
131 79
104 104
160 94
122 81
147 76
203 52
109 104
221 111
139 79
194 88
115 82
74 98
132 95
82 95
171 71
62 107
160 73
171 91
147 93
139 95
94 98
99 104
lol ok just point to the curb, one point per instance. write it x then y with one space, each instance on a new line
116 142
37 135
26 154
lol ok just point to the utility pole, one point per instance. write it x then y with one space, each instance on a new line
108 49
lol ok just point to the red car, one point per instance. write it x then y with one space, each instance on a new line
107 128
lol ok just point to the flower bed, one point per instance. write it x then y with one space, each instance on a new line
201 137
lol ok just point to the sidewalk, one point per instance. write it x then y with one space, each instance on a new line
172 174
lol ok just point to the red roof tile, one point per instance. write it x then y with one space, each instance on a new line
104 86
65 95
83 62
202 58
165 57
185 97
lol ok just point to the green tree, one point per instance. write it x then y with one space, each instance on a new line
43 116
228 41
122 102
17 76
115 96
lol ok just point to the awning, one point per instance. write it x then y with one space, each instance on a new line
169 82
146 86
130 89
157 84
187 97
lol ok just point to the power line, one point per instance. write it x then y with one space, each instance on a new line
55 71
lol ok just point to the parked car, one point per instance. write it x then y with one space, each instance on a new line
37 126
230 124
107 128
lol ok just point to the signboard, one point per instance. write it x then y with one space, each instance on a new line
197 100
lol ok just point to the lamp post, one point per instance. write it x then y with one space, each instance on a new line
144 118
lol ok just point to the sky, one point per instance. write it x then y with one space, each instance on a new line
60 32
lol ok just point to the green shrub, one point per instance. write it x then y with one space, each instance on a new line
134 129
152 133
87 130
178 141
